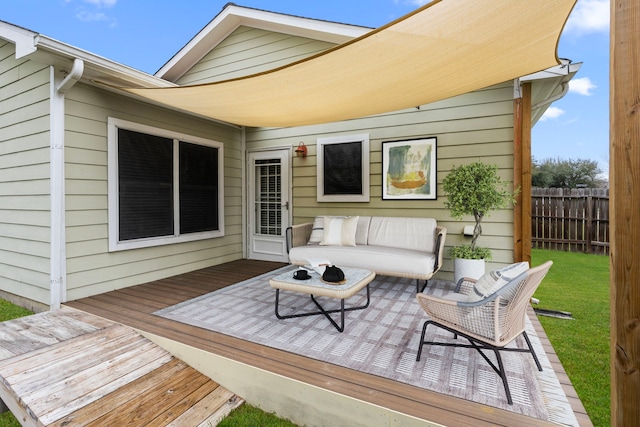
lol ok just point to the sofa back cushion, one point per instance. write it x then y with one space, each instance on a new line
398 232
339 231
317 232
362 232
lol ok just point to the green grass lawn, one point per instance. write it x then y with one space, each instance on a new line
579 283
247 415
10 311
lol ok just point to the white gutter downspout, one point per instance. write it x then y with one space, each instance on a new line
58 258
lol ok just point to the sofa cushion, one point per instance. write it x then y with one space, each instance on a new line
340 231
317 230
397 262
409 233
362 232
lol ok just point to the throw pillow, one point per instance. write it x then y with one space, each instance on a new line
493 281
340 231
317 231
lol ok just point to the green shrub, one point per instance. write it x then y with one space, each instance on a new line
467 252
475 189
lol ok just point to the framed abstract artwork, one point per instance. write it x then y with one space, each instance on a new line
409 169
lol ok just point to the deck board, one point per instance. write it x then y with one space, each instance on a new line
133 307
72 368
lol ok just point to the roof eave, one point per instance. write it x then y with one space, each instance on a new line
549 86
97 71
49 51
97 68
233 16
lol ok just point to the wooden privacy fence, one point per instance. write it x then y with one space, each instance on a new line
575 220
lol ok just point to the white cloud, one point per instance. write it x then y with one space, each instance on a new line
87 16
552 113
102 3
93 11
589 16
582 86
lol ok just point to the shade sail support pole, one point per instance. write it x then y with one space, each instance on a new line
624 212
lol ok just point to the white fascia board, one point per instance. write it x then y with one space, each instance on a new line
234 16
97 68
561 73
98 71
548 86
105 74
565 69
53 52
24 39
327 31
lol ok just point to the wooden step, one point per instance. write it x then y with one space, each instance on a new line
72 368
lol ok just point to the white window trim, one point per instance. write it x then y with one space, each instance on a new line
321 142
113 125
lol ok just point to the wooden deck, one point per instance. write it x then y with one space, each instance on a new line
133 307
72 368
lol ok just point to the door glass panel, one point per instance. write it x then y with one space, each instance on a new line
268 197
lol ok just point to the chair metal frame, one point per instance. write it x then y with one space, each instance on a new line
502 314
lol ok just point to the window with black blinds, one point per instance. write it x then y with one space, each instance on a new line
198 188
147 189
145 181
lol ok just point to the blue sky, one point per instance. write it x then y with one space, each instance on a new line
144 34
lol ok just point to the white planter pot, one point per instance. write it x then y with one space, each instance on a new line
473 268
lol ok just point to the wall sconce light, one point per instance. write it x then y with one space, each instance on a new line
301 150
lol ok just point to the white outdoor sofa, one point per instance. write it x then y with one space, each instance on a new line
389 246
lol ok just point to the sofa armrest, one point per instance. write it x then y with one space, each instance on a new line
441 234
298 235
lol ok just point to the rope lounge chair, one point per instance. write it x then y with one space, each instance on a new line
490 321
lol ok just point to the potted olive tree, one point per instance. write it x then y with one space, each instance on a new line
474 189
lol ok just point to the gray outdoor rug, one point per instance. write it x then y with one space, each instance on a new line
380 340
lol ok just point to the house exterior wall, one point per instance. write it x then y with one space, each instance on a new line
470 127
474 126
250 50
24 178
91 268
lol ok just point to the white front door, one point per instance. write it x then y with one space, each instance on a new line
268 204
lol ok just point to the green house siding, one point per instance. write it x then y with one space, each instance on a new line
249 50
24 176
475 126
91 268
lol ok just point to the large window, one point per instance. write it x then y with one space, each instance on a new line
164 187
343 169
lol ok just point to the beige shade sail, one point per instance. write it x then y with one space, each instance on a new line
444 49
